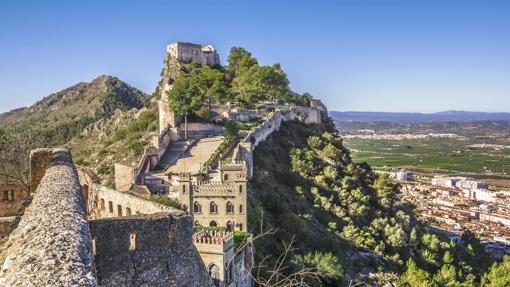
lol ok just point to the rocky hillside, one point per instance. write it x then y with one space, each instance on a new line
91 119
83 102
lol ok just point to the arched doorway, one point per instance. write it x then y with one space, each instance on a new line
214 273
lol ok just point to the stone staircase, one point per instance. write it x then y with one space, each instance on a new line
172 153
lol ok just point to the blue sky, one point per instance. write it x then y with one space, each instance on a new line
379 55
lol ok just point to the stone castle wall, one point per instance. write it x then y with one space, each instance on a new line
104 202
149 250
244 151
55 245
188 52
12 199
51 245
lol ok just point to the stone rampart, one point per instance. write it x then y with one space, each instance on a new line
244 151
51 245
151 250
104 202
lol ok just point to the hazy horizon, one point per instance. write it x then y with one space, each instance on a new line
387 56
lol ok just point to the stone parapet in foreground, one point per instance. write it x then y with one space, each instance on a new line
51 245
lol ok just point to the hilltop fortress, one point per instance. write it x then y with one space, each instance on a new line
80 233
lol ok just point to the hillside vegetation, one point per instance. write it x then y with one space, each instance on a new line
347 221
101 122
59 117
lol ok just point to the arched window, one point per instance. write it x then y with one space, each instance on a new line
225 177
240 189
128 211
132 242
213 208
196 223
240 208
110 206
213 224
102 204
184 189
230 226
230 207
197 208
119 210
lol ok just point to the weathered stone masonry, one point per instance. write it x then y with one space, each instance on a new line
151 250
51 245
54 244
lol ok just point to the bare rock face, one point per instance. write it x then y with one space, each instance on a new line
104 127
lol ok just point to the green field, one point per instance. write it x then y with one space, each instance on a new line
433 154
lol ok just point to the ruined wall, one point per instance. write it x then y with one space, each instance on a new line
188 52
105 202
12 197
151 250
51 245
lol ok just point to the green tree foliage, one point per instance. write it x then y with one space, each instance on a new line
326 264
165 200
193 92
252 83
326 201
240 59
232 128
498 275
414 276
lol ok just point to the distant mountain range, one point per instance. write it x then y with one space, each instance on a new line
453 116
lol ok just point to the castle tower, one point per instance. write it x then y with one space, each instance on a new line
185 191
177 54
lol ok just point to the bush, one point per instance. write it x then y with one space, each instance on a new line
239 238
314 142
232 128
136 147
167 201
105 169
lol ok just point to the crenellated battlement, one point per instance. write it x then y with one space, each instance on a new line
213 237
214 188
185 176
213 241
236 165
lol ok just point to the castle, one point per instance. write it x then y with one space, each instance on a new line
120 237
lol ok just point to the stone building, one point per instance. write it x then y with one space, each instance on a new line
12 198
177 54
220 203
189 52
225 266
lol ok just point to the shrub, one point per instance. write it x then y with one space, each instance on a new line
136 147
167 201
239 238
314 142
105 169
232 128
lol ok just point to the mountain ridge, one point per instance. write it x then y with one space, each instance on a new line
97 98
